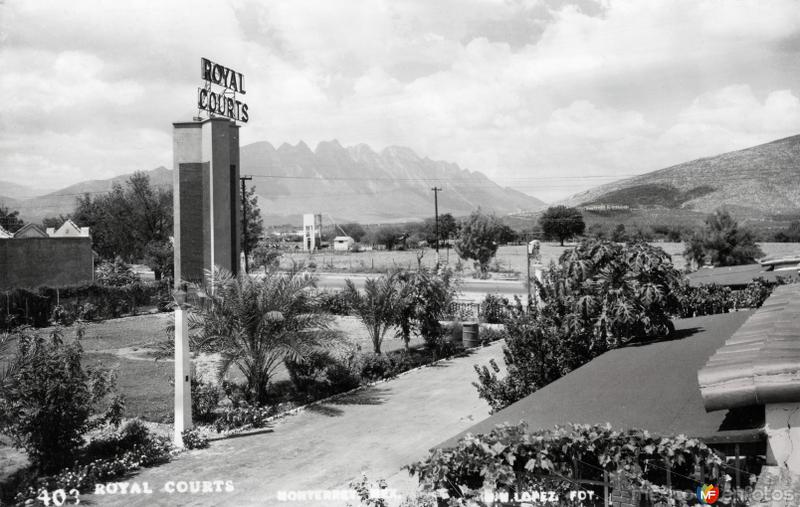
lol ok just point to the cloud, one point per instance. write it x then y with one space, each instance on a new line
729 119
541 94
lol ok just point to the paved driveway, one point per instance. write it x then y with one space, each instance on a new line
377 430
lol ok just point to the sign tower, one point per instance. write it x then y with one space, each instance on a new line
207 217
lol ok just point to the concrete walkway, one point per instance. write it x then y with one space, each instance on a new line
377 430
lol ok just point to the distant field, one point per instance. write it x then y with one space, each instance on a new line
510 258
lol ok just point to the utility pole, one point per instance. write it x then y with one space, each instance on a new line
436 191
244 218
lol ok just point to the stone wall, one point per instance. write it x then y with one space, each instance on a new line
56 262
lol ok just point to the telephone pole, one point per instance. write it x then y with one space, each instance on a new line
244 218
436 191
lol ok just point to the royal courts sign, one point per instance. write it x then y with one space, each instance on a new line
221 101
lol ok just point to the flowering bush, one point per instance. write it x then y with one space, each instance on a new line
243 417
510 458
103 459
193 439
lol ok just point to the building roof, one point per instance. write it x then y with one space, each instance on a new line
343 238
739 275
30 231
4 234
68 229
760 363
651 386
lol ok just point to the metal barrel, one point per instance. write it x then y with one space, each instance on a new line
471 337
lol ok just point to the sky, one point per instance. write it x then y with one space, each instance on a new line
549 97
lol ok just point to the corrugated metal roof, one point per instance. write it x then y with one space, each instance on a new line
651 386
760 363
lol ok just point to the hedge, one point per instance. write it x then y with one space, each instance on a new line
93 301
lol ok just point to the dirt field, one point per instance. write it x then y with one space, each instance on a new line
508 259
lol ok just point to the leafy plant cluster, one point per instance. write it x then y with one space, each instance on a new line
406 301
721 242
205 399
512 458
600 296
193 439
255 325
49 402
709 299
243 417
65 305
48 399
323 374
495 309
109 456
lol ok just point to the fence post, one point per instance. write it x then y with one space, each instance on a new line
606 501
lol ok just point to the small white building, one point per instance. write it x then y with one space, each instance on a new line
343 243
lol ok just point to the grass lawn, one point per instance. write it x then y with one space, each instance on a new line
146 385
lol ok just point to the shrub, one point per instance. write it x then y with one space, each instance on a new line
205 398
87 302
510 458
115 273
375 367
50 398
243 417
494 309
321 375
490 335
106 457
598 297
193 439
335 303
710 299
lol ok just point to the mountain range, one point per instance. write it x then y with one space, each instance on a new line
348 184
360 184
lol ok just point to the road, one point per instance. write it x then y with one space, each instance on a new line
470 288
377 430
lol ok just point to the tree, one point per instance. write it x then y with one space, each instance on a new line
160 257
561 222
377 307
9 220
126 220
478 239
257 324
789 235
266 255
423 299
722 243
355 231
253 221
54 222
388 236
599 296
448 227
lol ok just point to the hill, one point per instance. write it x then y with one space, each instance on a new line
350 184
63 201
753 183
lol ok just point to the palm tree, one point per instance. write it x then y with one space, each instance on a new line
377 306
257 324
